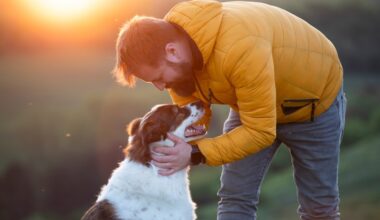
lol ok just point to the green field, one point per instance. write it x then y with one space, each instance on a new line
62 133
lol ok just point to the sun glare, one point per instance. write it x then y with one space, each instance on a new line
62 9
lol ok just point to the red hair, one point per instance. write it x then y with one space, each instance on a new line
141 40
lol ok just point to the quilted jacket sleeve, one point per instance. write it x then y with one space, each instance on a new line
249 68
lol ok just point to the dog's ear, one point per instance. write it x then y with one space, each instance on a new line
136 149
133 126
154 132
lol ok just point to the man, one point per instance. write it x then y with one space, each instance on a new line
280 76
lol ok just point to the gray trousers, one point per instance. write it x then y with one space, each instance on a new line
314 148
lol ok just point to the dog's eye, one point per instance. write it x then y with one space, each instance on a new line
181 115
175 109
183 112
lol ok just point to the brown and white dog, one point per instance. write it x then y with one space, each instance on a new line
135 190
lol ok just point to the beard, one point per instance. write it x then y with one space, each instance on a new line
185 86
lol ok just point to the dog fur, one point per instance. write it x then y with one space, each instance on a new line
135 190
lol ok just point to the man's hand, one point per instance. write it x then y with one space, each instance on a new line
174 158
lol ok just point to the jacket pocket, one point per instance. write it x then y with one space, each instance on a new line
290 106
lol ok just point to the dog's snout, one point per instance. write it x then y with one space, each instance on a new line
198 104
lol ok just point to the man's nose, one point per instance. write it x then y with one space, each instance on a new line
159 85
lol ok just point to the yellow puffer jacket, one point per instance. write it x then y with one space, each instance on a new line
267 64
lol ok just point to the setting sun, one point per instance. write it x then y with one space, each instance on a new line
62 9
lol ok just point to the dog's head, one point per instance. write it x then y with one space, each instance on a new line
154 126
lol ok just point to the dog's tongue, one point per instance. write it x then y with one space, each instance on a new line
194 130
198 127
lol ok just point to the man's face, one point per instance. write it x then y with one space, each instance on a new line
169 75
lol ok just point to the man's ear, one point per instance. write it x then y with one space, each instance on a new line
133 126
174 52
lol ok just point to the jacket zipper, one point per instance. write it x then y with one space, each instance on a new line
210 93
211 96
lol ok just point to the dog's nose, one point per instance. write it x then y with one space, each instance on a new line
198 104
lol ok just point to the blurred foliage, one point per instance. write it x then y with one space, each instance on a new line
63 124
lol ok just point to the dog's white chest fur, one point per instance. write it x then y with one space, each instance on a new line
137 192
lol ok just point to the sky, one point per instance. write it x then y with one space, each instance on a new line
45 24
